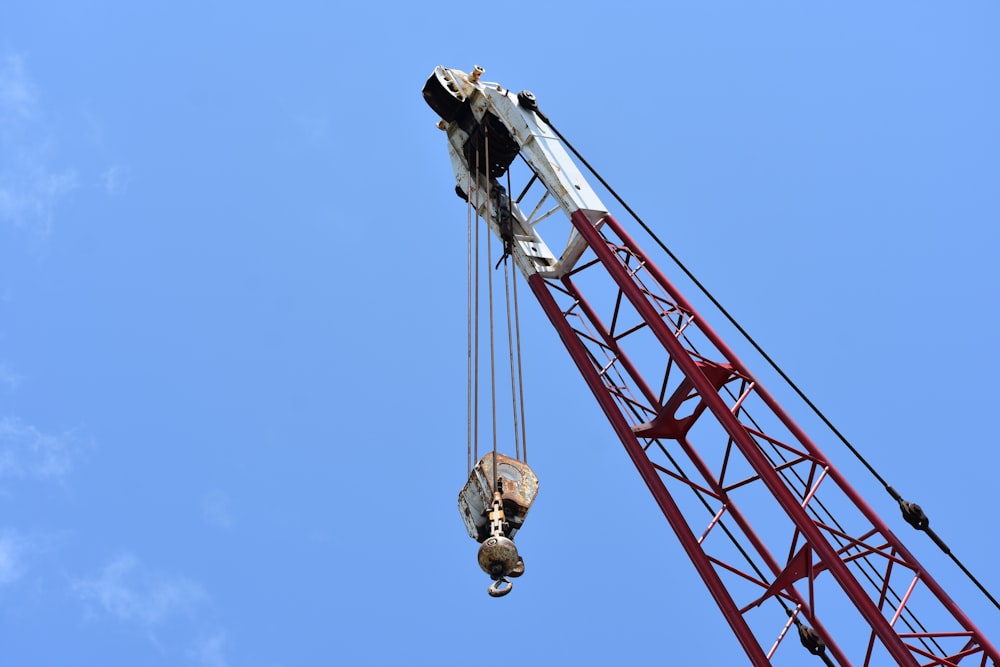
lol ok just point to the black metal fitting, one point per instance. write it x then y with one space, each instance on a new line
914 515
527 100
811 640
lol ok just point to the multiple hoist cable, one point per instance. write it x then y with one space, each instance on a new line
513 326
500 490
912 513
516 368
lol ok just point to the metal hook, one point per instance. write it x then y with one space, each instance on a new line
496 591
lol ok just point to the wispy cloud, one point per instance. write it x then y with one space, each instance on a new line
210 651
215 510
157 604
115 179
11 549
9 380
26 452
129 592
29 193
17 93
30 186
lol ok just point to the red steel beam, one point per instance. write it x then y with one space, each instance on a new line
649 475
707 391
850 584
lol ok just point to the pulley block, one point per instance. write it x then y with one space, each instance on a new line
494 504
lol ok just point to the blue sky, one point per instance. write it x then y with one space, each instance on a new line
232 312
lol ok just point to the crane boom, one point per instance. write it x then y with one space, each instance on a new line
784 544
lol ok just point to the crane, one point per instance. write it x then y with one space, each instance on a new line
777 534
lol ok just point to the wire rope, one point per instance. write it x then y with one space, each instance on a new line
475 397
481 185
629 406
514 345
469 327
864 564
510 350
773 364
489 263
520 374
517 333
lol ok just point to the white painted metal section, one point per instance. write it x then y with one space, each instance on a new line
544 153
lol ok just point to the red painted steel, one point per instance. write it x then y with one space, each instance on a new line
849 557
766 519
648 473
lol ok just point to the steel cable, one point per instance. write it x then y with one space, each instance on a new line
516 350
469 328
773 364
510 351
489 263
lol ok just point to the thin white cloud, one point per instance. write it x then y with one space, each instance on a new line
23 553
17 93
210 651
11 549
30 186
116 179
9 380
158 605
215 510
30 190
26 452
129 592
